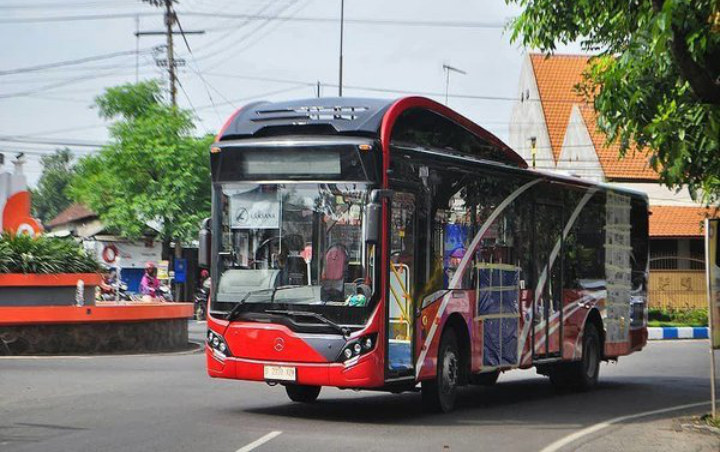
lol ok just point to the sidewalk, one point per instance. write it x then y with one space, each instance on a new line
658 435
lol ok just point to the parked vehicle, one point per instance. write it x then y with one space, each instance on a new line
114 292
163 293
200 303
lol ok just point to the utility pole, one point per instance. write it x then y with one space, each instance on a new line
447 68
137 48
342 21
169 21
318 88
171 63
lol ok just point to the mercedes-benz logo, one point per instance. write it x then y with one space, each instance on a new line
279 344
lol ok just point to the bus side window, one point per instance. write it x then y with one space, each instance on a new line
452 233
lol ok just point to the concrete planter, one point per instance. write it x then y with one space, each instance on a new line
100 329
20 289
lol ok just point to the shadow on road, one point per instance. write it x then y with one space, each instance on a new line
527 402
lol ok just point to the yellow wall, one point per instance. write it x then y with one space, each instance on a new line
677 289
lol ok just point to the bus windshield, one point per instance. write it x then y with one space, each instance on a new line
293 243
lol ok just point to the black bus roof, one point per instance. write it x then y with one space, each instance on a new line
357 117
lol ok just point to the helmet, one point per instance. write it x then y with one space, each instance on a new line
204 274
149 265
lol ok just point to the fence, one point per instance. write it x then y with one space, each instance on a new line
677 289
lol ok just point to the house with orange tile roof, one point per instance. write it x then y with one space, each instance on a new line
553 127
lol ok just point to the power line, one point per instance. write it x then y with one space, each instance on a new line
197 71
245 36
386 90
264 17
256 96
51 86
59 142
253 37
54 131
68 5
69 62
90 17
333 20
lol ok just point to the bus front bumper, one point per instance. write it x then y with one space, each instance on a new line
365 372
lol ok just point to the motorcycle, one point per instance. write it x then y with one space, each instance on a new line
163 293
115 292
200 301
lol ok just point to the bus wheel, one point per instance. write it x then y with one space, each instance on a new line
581 375
302 393
439 395
486 379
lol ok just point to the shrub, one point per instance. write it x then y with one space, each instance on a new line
686 317
24 254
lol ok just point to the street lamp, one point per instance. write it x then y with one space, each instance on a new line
447 68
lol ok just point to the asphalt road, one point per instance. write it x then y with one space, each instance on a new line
167 403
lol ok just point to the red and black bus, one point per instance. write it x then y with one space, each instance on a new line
375 244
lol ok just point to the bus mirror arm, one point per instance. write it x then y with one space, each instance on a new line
373 211
204 238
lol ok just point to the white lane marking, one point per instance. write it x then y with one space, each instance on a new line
562 442
461 270
259 442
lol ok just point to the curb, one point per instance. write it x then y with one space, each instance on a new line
678 332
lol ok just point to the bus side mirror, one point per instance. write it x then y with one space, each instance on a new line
373 214
204 238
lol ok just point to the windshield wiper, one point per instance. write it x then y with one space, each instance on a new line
341 329
236 309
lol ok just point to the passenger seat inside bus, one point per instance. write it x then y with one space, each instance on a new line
332 279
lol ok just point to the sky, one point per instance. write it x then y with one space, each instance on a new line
391 49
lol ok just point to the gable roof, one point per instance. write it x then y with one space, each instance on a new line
556 77
74 212
635 164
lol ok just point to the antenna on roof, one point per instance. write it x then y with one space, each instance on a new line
447 68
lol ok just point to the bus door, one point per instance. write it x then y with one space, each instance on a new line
547 297
401 279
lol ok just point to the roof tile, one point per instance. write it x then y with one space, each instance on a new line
74 212
556 77
679 221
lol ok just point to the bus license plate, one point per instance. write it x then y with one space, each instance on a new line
279 373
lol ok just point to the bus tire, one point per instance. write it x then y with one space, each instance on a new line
581 375
486 378
302 393
439 394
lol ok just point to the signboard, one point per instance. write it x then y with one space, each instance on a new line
256 210
162 270
180 270
125 254
712 228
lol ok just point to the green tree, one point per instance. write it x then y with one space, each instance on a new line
655 82
51 197
153 170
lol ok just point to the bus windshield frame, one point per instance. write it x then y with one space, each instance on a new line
293 241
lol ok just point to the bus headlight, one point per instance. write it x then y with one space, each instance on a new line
358 347
217 343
